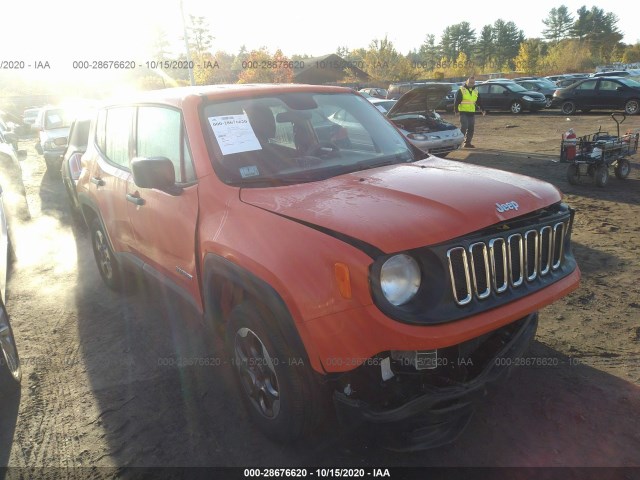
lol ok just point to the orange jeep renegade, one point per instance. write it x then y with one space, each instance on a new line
341 262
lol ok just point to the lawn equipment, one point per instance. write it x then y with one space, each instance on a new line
592 155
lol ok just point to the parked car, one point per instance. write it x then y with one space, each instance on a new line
546 88
375 92
360 274
53 123
599 93
396 90
71 159
10 370
556 78
383 105
8 135
612 73
422 126
509 96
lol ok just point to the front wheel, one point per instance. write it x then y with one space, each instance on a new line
623 168
568 108
275 383
10 370
516 107
632 106
573 174
601 176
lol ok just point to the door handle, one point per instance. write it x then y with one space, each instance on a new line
135 199
97 181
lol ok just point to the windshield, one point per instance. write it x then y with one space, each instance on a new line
516 88
57 119
629 82
299 137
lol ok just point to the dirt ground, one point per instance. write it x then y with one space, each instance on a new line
102 388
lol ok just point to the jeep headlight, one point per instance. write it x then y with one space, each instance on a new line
400 279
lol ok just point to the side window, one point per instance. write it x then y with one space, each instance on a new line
608 85
117 136
588 85
159 134
498 89
483 89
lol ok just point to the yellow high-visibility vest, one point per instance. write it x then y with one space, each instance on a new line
469 99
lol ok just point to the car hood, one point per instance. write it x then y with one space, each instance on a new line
421 99
54 133
405 206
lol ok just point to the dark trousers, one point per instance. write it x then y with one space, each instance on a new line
467 124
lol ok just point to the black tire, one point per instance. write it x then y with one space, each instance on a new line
601 175
516 107
568 108
278 395
108 265
10 370
573 174
623 168
632 106
548 102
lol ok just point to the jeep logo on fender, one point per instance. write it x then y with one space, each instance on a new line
503 207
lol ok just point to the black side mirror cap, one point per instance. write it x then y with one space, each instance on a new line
155 172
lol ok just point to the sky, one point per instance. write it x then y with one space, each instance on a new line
64 31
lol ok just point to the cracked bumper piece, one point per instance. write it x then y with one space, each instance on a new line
439 406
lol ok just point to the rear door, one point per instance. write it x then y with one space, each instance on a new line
164 223
486 99
585 94
610 94
109 177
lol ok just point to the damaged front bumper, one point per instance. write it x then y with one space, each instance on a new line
430 408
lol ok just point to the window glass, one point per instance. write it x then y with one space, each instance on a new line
118 130
588 85
608 85
299 137
159 135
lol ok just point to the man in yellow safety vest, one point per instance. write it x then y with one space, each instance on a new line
466 102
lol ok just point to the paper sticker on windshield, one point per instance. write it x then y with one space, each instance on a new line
234 134
251 171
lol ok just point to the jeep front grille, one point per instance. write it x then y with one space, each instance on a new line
501 263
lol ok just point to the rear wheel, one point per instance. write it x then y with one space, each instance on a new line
623 168
516 106
109 268
568 108
573 174
601 175
10 371
275 383
632 106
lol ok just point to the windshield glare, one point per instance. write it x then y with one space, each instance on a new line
629 82
516 88
299 137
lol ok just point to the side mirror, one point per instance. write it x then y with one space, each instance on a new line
155 172
22 154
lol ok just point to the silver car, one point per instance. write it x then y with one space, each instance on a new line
413 114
